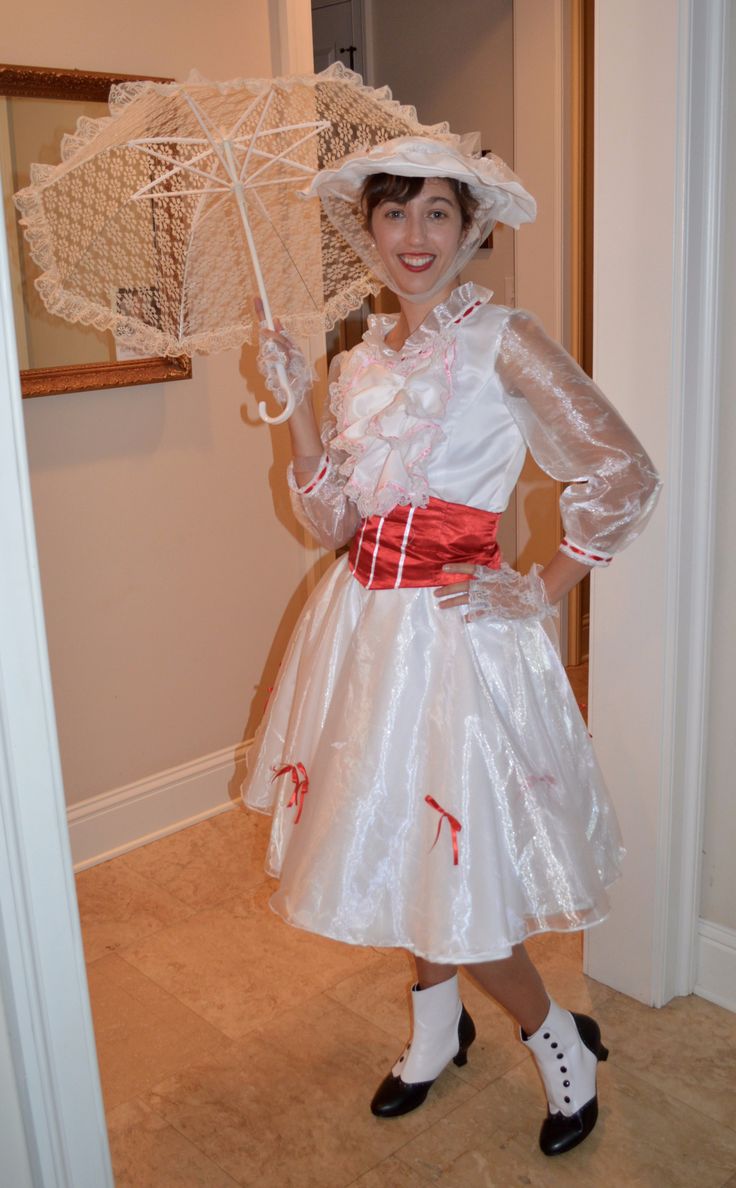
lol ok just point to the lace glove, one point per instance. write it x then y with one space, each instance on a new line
283 349
503 594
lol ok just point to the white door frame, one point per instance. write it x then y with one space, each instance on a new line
657 289
697 334
42 972
294 47
649 947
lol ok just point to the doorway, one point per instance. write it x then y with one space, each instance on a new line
337 34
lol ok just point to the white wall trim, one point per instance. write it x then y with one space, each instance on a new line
369 45
692 466
42 972
294 36
114 822
716 979
657 339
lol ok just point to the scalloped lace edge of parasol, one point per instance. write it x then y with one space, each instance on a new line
74 308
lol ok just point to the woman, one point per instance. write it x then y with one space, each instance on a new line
432 782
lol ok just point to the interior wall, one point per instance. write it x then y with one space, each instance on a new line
226 40
718 904
169 558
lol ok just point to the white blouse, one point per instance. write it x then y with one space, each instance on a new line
452 414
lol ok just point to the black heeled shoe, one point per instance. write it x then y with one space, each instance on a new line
395 1097
567 1049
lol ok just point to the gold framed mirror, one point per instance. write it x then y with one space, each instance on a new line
38 105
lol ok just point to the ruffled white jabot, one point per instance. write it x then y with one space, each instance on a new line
389 405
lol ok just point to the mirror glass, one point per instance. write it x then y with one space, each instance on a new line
37 108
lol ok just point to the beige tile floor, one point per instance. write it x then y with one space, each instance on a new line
237 1051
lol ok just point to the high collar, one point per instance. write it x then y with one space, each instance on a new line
441 318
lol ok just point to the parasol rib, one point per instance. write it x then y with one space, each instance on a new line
272 159
201 119
256 132
284 245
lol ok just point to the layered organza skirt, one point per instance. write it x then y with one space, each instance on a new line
438 789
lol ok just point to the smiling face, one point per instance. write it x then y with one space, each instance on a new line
418 239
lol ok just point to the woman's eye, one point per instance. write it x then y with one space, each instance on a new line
438 214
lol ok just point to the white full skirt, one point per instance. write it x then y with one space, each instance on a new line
386 699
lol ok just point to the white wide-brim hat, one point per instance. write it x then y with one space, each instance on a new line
499 194
498 191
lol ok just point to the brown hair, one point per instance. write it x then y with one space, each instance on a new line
390 187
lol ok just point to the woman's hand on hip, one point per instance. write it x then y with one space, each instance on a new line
500 594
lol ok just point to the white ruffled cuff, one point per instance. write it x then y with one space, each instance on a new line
322 507
589 557
313 484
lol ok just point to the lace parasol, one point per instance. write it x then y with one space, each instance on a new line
165 219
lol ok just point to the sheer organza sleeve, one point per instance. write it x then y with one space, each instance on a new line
578 438
319 504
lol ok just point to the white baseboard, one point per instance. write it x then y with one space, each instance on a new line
716 976
114 822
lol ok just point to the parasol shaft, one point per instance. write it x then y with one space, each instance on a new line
240 199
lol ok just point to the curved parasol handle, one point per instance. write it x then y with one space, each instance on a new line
286 387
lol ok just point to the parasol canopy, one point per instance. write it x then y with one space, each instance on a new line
165 219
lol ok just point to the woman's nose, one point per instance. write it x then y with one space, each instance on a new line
415 228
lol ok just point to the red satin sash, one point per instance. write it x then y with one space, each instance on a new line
409 546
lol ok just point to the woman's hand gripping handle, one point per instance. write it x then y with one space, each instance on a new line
284 367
